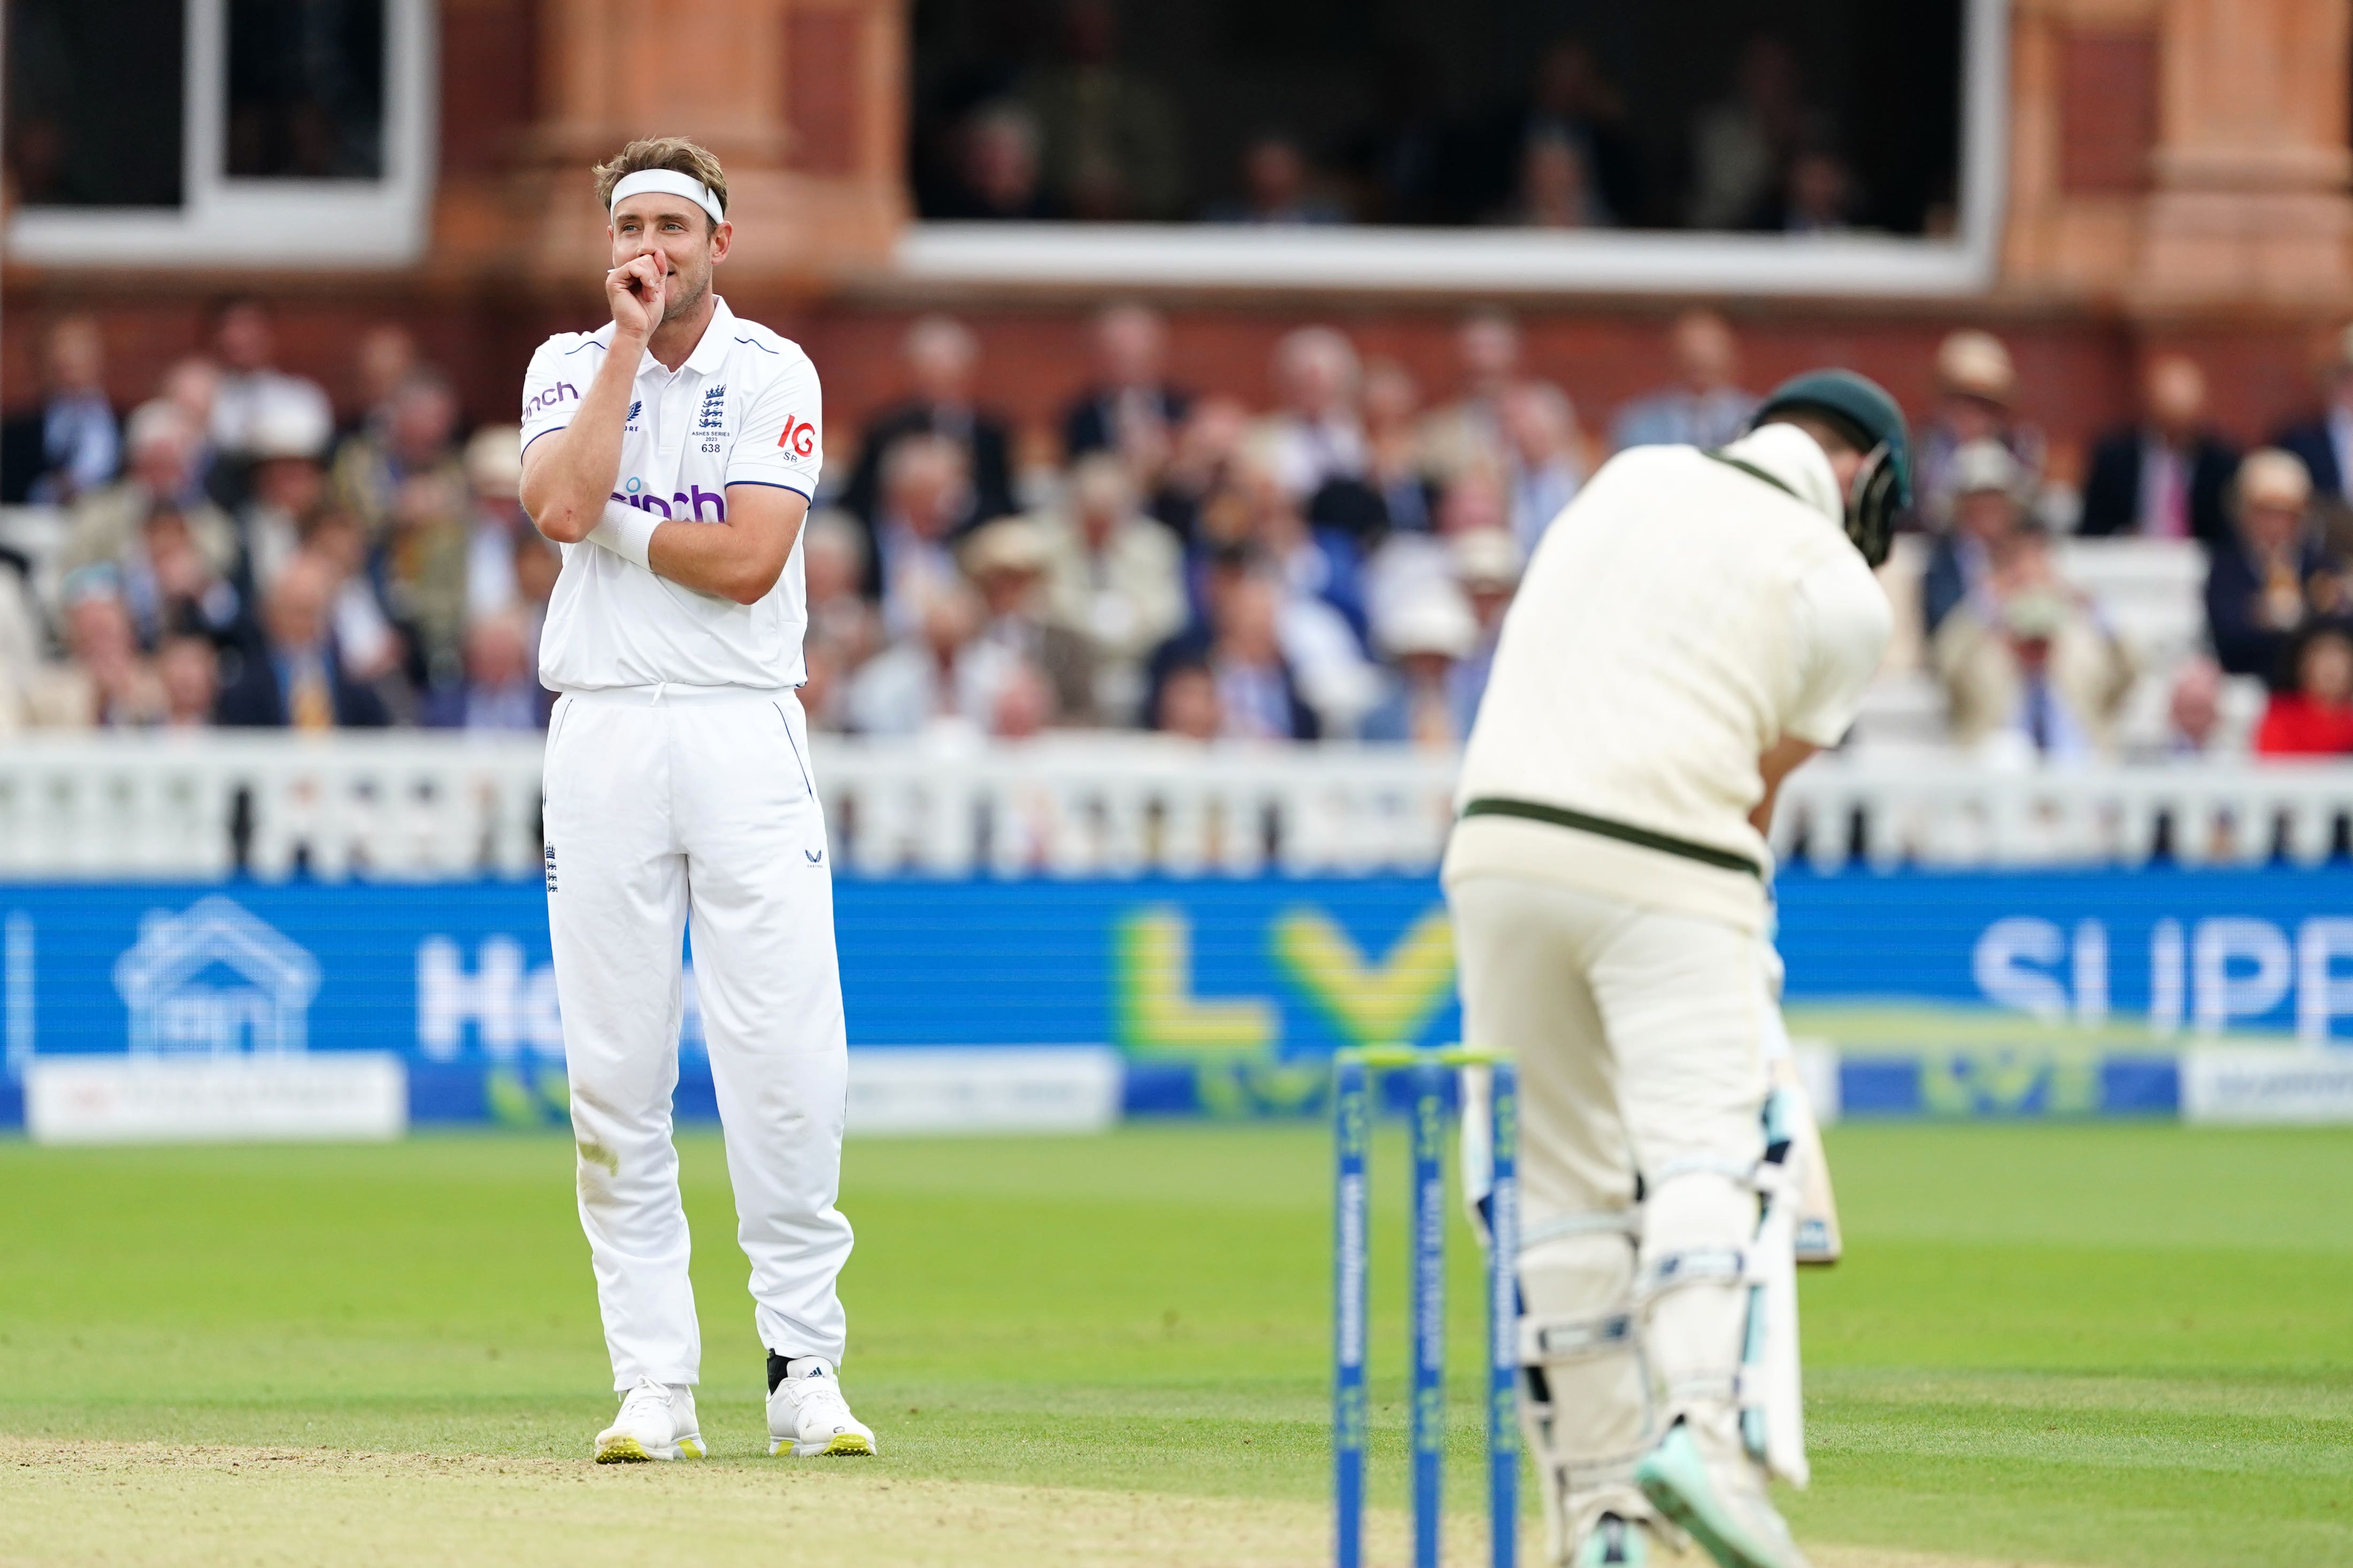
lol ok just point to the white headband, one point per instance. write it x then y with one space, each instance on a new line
674 183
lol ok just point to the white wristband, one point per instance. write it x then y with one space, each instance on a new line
627 532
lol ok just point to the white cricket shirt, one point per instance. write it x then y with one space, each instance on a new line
1678 618
743 410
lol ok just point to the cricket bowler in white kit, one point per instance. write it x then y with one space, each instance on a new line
1691 627
672 454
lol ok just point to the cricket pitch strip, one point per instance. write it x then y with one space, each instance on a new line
202 1507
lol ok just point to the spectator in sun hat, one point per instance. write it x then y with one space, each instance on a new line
1425 636
1986 511
1976 392
286 488
1007 561
2029 668
2270 576
1487 564
493 486
252 388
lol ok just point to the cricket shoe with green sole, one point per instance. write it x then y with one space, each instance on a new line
808 1416
1613 1542
1734 1524
656 1422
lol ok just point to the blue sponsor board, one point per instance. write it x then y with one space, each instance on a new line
2269 950
1222 995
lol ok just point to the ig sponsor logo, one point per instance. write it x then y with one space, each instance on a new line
798 436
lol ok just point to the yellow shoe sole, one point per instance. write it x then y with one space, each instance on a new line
629 1451
849 1445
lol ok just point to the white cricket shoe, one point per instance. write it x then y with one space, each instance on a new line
1722 1506
808 1417
656 1422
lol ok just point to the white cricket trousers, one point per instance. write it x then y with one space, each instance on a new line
665 812
1637 1032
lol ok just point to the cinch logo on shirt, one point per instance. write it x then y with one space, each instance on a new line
798 436
689 501
550 397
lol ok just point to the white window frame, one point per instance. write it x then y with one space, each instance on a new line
262 222
1387 259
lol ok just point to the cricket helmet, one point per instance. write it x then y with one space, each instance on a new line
1860 410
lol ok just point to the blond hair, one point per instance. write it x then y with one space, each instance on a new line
675 153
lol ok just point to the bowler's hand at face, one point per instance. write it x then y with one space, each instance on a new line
636 290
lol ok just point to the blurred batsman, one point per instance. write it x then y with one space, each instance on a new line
672 454
1694 624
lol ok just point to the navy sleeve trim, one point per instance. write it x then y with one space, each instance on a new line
773 485
549 431
586 344
761 347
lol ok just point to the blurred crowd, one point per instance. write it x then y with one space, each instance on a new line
1335 566
1079 133
227 554
2031 657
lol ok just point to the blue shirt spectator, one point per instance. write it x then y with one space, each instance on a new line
71 444
1706 406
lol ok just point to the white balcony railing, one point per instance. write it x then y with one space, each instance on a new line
1950 812
391 804
423 805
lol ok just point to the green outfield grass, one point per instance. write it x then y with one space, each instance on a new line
2111 1345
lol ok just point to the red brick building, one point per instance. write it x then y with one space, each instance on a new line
2138 173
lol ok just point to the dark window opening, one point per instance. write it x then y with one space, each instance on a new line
94 102
306 90
1803 116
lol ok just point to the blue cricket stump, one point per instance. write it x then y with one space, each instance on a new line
1353 1074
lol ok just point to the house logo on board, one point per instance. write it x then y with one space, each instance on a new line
215 981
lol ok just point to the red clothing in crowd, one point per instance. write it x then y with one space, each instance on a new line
2295 725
